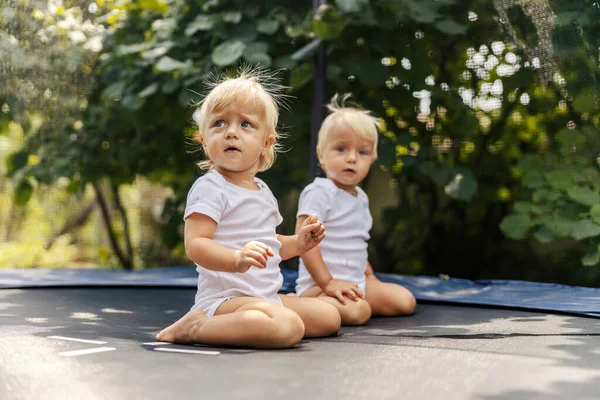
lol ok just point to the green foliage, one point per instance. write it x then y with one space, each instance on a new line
475 127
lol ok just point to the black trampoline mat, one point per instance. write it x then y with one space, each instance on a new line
98 343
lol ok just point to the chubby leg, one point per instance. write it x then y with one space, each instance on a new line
389 299
241 321
352 313
319 317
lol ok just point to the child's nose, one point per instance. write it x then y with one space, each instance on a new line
350 156
231 132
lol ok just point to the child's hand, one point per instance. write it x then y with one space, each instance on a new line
310 234
253 254
338 288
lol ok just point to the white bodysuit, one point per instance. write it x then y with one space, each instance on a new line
347 221
242 215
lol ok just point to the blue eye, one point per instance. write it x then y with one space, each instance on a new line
246 124
363 153
220 123
340 149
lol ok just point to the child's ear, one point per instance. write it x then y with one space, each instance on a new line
269 142
319 156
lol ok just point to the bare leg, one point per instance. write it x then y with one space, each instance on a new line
352 313
389 299
319 317
242 321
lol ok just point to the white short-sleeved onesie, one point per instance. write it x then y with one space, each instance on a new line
347 221
242 215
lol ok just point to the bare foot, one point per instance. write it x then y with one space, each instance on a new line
185 330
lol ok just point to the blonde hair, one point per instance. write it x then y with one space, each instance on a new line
251 87
360 121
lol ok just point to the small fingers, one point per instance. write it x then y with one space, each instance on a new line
265 248
340 297
258 257
350 293
358 292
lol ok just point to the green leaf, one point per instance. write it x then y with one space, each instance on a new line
534 179
149 90
210 4
23 193
544 235
570 138
154 5
450 27
584 101
595 213
132 102
565 18
585 229
300 76
542 195
522 207
515 226
422 11
166 64
592 257
327 23
440 175
267 26
245 32
227 53
233 17
200 23
157 51
351 6
462 186
307 51
17 161
131 48
583 195
115 90
560 226
284 62
559 179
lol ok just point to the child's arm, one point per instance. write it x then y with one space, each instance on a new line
203 250
310 233
369 271
318 270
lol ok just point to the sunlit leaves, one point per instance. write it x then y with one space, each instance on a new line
227 53
200 23
592 257
595 213
327 23
167 64
267 26
585 229
462 186
23 192
351 6
584 195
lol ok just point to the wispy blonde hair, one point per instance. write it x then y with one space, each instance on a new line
250 87
360 121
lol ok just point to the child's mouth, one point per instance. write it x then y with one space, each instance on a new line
350 170
231 149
